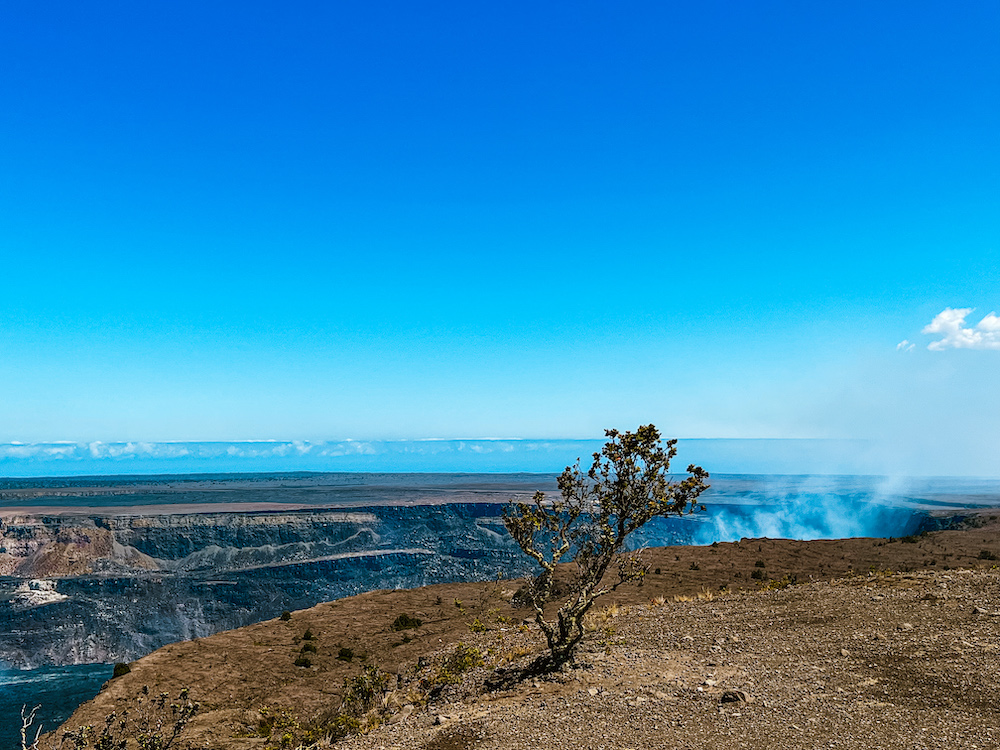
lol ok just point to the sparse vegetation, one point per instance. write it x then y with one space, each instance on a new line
308 648
149 723
121 669
285 616
362 708
702 596
345 654
308 635
303 661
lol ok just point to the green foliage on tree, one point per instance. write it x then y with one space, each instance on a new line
627 484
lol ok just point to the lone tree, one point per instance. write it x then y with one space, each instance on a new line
627 485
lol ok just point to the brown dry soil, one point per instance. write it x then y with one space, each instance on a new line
874 643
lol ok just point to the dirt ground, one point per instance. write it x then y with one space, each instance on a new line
847 643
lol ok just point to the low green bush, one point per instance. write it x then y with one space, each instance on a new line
406 622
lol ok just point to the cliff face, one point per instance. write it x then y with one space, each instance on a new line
125 585
107 587
33 547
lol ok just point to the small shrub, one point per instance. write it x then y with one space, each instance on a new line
760 564
342 727
364 692
657 571
406 622
121 668
308 648
909 539
461 660
303 661
308 635
986 554
477 626
438 601
286 616
345 654
758 574
695 566
271 720
780 583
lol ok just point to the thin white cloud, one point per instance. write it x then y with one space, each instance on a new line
97 453
905 346
950 325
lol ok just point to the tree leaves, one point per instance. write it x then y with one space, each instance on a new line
626 485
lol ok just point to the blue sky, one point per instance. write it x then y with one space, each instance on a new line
321 221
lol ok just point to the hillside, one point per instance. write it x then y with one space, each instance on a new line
876 642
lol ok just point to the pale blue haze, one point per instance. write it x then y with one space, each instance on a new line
385 221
